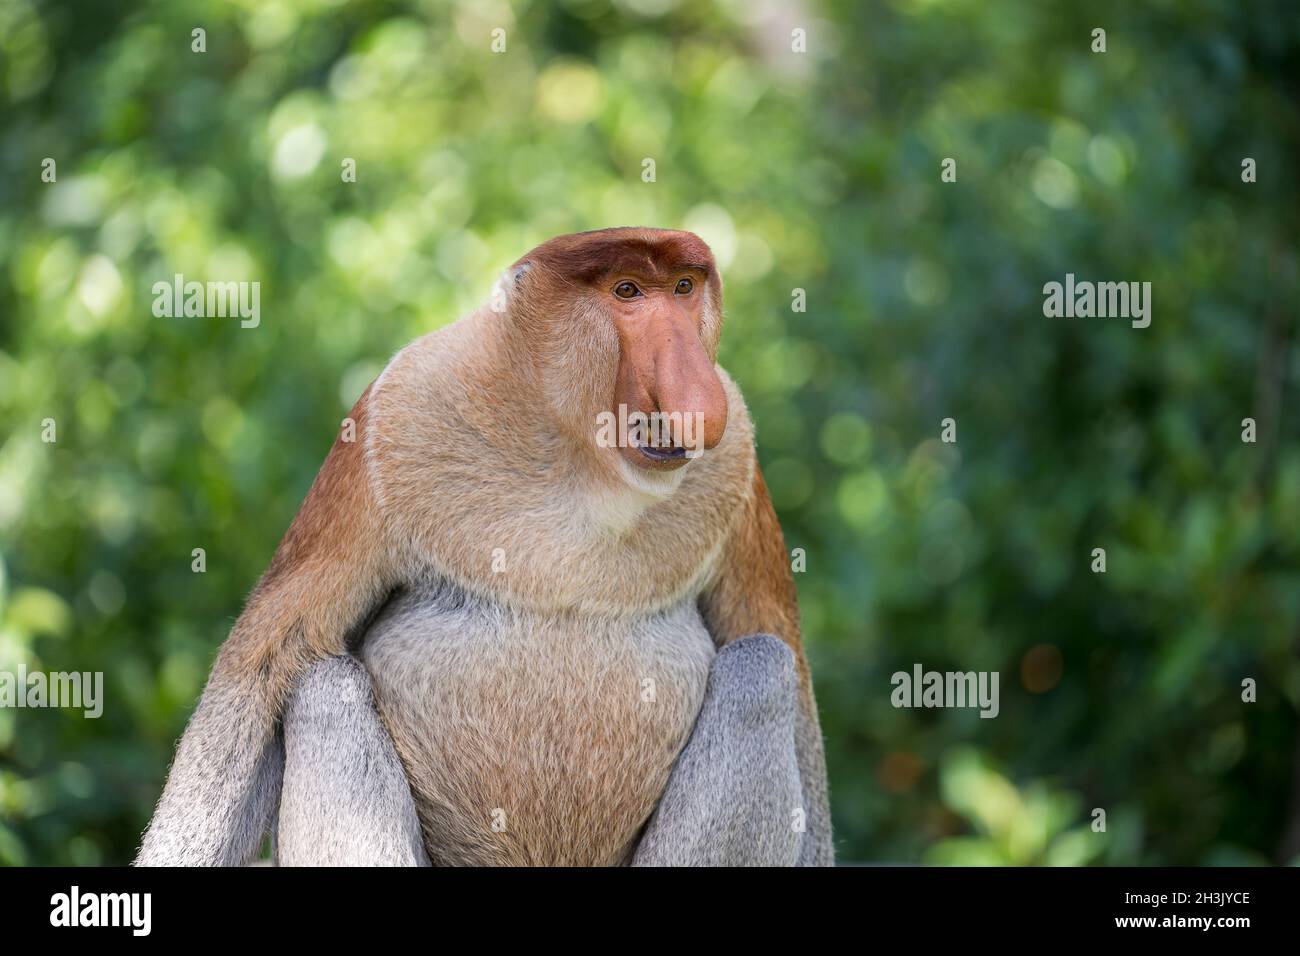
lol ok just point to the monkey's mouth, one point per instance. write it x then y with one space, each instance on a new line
667 453
655 456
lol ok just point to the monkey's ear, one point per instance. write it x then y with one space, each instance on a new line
510 283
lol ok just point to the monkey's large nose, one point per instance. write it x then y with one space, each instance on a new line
686 382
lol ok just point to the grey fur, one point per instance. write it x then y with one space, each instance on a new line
816 848
346 800
754 758
221 791
733 795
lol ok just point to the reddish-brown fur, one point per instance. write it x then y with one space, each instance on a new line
590 256
327 573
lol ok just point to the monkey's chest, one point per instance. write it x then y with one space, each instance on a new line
535 739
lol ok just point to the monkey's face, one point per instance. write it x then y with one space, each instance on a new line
666 389
648 323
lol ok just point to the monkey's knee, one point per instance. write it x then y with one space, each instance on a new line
734 795
759 683
754 678
346 799
329 694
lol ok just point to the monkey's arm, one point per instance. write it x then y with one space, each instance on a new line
328 573
346 799
753 593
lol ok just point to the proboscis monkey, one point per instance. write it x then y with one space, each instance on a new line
490 638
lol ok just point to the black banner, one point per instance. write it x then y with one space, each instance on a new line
935 904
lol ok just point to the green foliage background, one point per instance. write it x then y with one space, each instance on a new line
817 171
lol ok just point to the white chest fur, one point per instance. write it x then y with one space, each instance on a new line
534 738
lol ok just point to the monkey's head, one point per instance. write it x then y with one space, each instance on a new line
622 327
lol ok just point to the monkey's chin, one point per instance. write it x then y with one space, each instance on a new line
650 477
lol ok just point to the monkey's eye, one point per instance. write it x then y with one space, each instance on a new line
626 290
685 286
